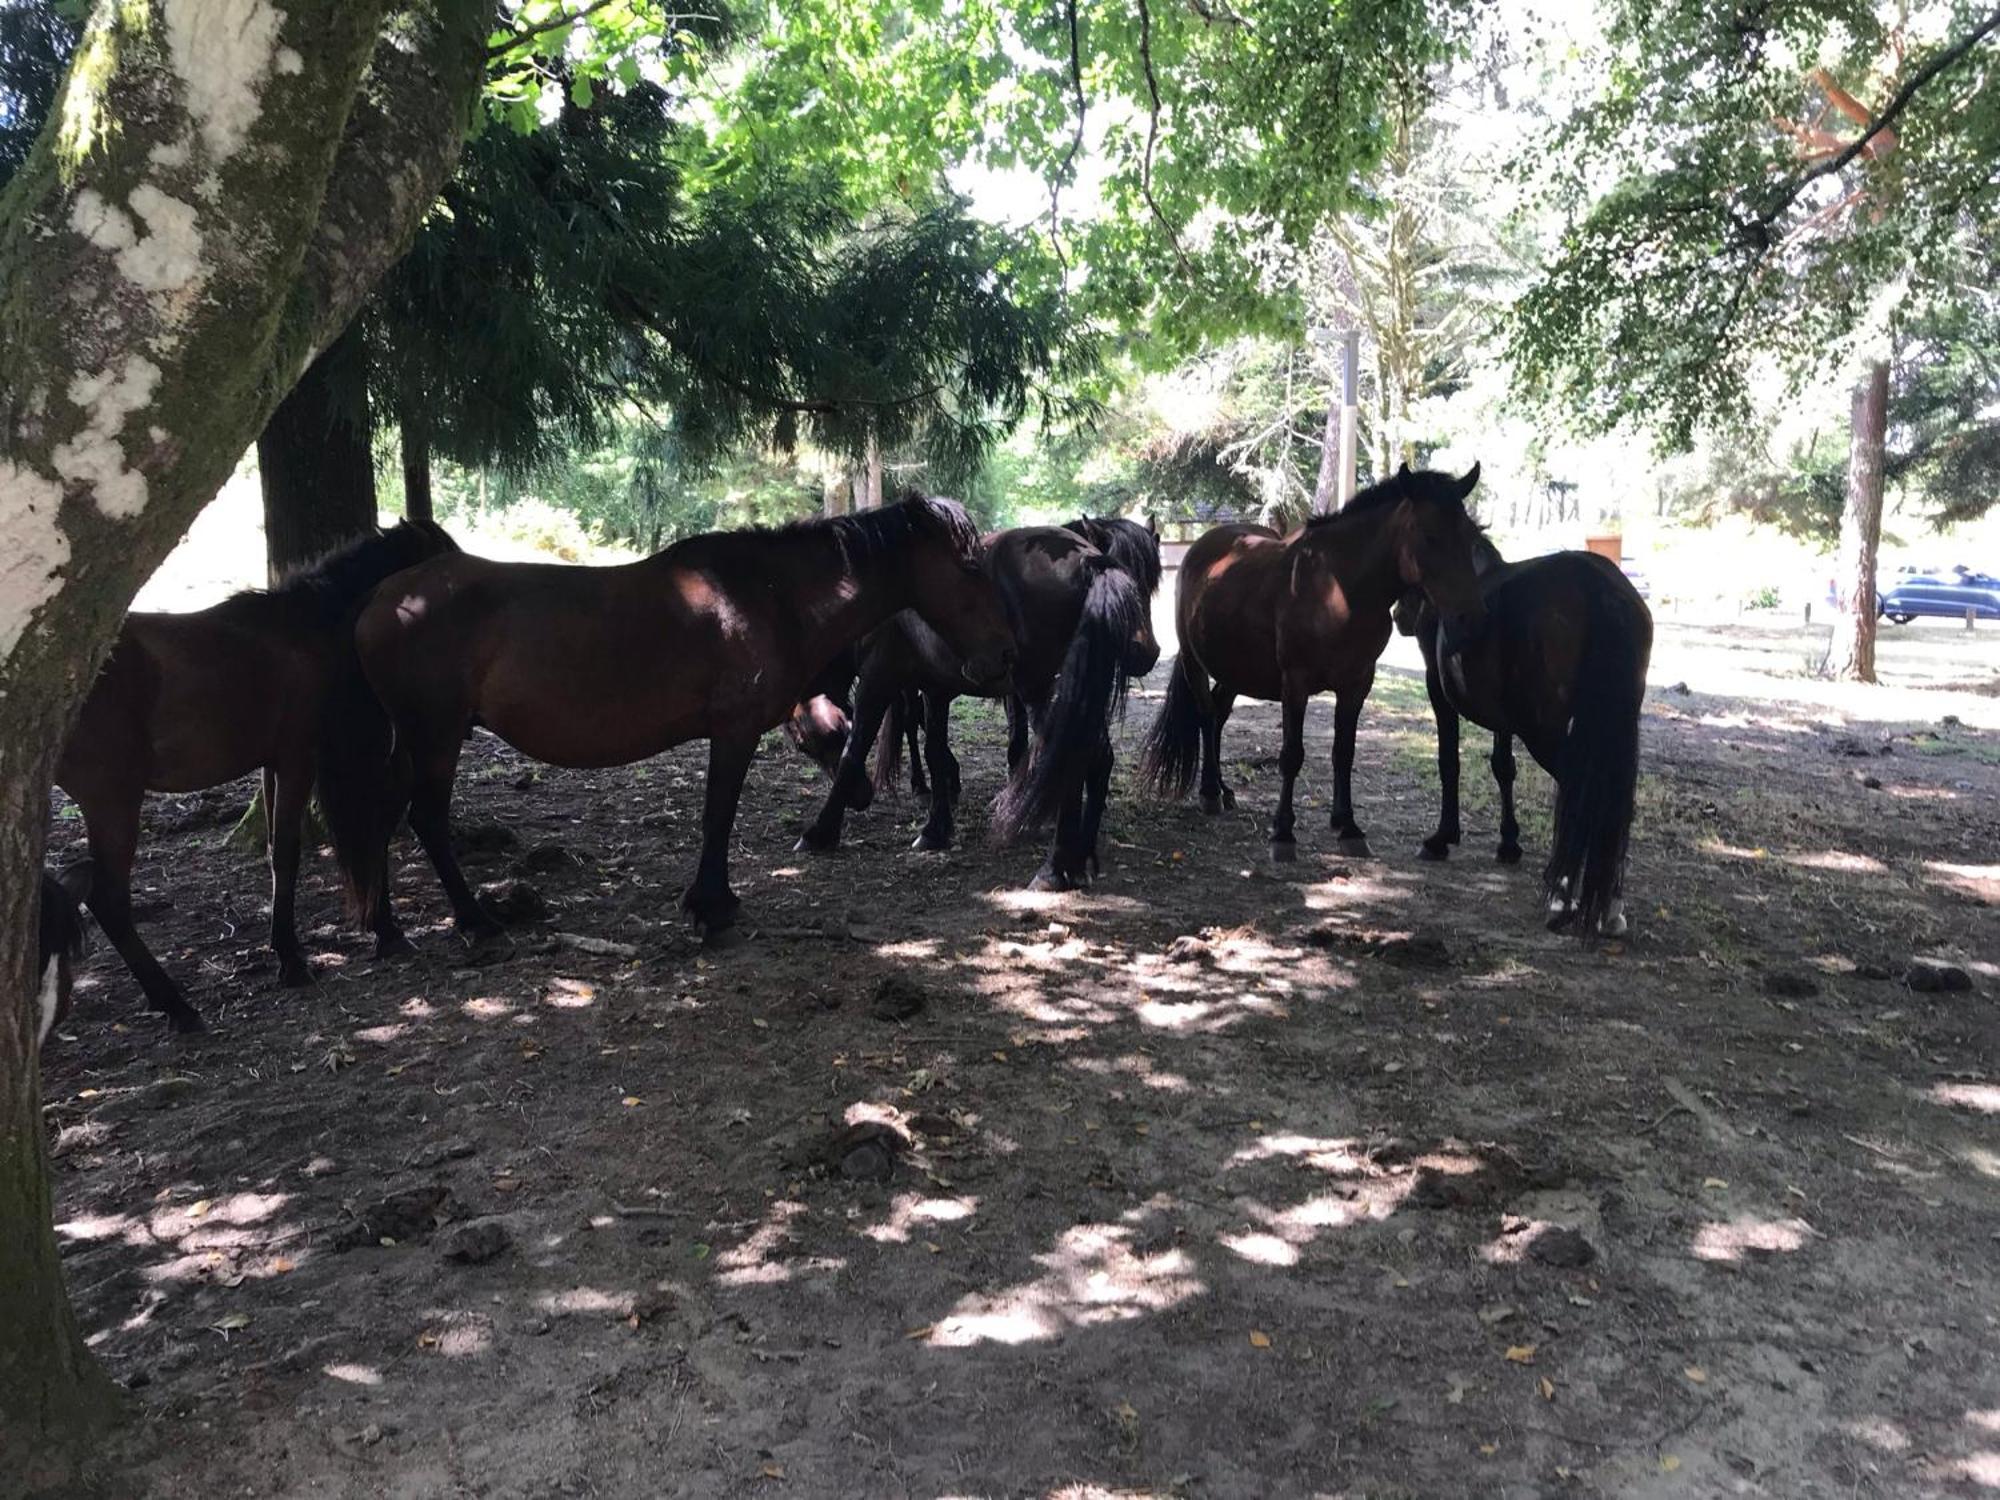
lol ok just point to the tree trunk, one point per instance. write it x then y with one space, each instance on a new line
316 461
417 469
196 251
1851 654
1326 490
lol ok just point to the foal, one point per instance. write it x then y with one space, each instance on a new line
189 701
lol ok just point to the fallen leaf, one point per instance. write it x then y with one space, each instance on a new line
1668 1463
428 1339
1714 1184
230 1322
1259 1339
1489 1449
999 1057
762 1025
934 1249
1521 1354
921 1333
1456 1395
631 1101
1400 1281
1498 1312
199 1208
1697 1374
1548 1389
281 1265
772 1471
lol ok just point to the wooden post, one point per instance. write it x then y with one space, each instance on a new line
1335 486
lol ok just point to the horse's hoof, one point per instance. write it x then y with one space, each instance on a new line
1510 854
186 1022
812 841
1615 925
1560 918
862 797
715 939
932 842
1355 847
1211 806
1284 851
295 975
393 945
1051 880
1228 800
1433 852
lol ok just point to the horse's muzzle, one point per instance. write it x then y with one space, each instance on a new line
988 673
1141 658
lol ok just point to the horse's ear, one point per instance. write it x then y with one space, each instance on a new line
1468 484
1403 469
1153 525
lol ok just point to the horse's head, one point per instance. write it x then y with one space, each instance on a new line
1438 551
951 590
819 727
1134 550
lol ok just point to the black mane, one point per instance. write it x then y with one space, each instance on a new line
335 582
869 534
1408 484
1132 548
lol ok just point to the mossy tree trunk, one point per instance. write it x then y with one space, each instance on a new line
166 267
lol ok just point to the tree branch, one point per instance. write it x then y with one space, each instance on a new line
1930 70
525 35
1152 134
1062 172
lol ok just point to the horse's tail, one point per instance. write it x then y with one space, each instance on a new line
361 791
1089 693
1597 769
1170 758
889 745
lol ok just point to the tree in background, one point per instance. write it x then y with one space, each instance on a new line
1792 186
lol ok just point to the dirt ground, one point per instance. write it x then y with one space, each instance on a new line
1375 1189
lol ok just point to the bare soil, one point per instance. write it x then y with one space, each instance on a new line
1218 1180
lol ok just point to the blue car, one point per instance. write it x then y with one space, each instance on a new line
1945 596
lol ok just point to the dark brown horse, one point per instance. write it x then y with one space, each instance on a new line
189 701
1562 664
1083 627
716 638
1284 618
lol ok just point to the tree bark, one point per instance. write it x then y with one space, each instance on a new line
316 461
417 469
1851 654
161 286
1326 489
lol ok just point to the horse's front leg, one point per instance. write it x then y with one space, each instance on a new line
1284 846
1346 719
851 787
1503 776
938 827
708 899
1438 845
1096 793
285 792
112 823
915 707
1019 724
1068 865
434 766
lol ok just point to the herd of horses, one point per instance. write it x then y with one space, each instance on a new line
362 676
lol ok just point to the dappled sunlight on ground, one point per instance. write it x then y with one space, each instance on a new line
1746 1236
1093 1276
1984 1097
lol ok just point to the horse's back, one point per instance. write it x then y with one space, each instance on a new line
1231 582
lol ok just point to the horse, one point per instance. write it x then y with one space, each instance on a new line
189 701
1083 625
59 931
715 638
1285 617
1561 664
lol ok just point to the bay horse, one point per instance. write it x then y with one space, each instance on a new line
1283 618
190 701
1083 627
716 638
1561 664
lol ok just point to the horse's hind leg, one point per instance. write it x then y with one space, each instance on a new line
1503 777
915 705
1284 845
1096 792
1019 725
708 899
1438 845
113 827
1215 793
1346 719
285 793
434 767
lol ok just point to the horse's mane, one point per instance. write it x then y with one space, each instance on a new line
339 579
870 534
1131 547
1421 484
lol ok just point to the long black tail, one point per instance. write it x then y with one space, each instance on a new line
1089 693
363 783
1597 771
1170 758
